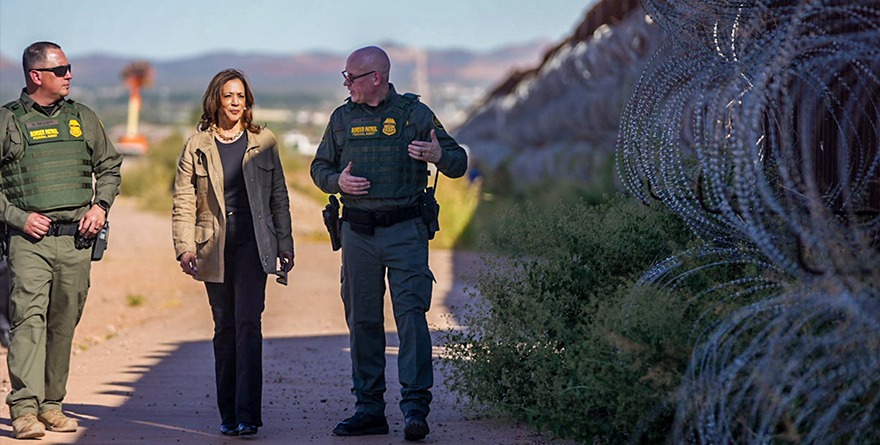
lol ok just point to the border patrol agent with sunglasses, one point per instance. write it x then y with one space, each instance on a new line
375 152
52 149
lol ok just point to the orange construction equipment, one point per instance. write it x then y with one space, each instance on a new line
136 75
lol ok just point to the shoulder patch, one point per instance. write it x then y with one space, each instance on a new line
437 122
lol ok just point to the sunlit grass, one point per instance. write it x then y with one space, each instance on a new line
458 201
296 172
151 178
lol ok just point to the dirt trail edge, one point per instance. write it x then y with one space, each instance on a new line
142 370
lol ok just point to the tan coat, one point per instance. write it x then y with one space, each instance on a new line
199 212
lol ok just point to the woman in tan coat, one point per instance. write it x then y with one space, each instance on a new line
230 222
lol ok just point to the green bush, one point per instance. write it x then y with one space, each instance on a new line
493 201
558 334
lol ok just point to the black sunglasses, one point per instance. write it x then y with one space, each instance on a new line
347 76
59 70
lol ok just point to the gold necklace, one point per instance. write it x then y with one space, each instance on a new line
224 138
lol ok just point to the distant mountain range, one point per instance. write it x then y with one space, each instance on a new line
311 72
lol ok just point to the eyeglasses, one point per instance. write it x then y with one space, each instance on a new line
59 71
347 76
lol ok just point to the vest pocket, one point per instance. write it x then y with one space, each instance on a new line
204 232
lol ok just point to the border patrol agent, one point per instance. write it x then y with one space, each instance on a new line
375 152
52 149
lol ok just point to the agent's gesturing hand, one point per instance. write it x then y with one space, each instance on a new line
429 151
353 185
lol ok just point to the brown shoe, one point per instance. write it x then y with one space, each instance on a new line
27 426
56 421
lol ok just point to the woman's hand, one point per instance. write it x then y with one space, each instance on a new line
188 263
286 259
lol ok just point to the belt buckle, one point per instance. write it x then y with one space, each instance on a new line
382 219
53 229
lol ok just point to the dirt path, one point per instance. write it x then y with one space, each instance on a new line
142 371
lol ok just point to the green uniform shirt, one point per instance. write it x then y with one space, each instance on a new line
106 162
325 168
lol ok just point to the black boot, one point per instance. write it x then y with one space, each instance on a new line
362 424
416 427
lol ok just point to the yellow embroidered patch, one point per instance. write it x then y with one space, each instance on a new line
75 128
437 122
364 130
44 133
389 127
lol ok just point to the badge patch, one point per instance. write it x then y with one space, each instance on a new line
389 127
437 122
75 129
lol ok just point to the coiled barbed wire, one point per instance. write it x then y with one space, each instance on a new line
759 123
560 121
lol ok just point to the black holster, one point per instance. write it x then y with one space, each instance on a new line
430 212
4 241
100 243
332 222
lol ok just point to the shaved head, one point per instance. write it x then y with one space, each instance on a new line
371 58
369 68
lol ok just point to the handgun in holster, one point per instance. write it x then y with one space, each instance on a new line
100 244
332 222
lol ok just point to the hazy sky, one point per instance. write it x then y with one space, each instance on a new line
170 29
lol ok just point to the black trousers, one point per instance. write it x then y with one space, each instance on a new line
237 306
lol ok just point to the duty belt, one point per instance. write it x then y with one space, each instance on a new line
380 218
63 229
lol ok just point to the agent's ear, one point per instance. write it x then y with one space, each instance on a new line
36 77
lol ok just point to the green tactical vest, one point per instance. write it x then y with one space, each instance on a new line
378 151
54 169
